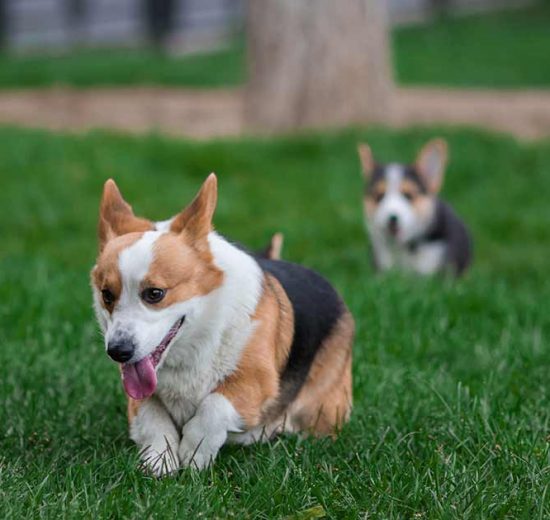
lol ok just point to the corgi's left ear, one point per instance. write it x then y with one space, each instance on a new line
116 216
196 219
431 162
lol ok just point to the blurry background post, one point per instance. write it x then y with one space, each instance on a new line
76 13
3 24
317 62
160 19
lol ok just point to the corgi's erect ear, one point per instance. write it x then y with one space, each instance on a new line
367 161
431 162
196 219
116 216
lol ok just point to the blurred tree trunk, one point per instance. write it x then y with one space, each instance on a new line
317 62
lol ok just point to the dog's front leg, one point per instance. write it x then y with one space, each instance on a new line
156 436
206 432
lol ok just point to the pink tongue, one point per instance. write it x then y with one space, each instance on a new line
139 379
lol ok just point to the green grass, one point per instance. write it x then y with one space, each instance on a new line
503 49
90 68
452 403
506 49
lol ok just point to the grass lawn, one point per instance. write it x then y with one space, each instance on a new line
503 49
112 67
452 403
507 49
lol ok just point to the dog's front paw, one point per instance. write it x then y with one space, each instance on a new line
159 464
198 456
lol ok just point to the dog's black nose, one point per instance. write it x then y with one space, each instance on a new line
121 350
393 225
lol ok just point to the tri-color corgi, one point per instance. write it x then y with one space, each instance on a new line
410 228
215 344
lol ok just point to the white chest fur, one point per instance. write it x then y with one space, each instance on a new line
210 347
427 258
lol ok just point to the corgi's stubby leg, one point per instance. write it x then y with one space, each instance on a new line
156 436
206 432
324 402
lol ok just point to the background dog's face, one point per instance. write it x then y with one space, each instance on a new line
149 285
399 199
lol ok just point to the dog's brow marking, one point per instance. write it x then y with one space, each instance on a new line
134 262
394 176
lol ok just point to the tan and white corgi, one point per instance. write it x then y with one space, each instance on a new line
215 344
410 228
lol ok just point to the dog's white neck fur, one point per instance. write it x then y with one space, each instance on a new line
212 339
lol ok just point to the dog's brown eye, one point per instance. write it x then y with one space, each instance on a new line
152 295
108 297
408 195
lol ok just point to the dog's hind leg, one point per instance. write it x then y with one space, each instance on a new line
324 403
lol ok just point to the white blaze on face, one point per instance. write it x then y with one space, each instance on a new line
148 328
164 225
395 205
146 325
134 263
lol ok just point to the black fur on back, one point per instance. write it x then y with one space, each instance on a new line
317 307
448 227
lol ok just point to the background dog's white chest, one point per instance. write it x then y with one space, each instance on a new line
427 258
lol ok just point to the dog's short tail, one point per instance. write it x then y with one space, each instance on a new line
274 249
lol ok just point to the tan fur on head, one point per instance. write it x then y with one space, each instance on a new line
179 267
116 216
182 261
431 162
366 158
106 274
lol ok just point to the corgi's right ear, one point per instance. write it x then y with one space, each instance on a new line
116 216
196 219
367 161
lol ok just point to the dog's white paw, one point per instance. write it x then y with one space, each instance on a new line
198 456
204 435
159 464
199 445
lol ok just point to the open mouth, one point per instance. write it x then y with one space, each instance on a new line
140 379
393 229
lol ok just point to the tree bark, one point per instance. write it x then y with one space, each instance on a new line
316 63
